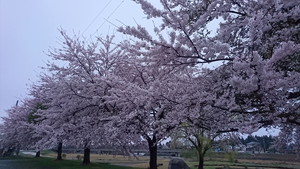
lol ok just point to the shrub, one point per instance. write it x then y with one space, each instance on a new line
79 157
231 157
190 154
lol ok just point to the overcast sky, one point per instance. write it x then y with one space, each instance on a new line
29 28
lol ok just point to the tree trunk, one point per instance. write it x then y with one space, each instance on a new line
59 151
153 153
86 157
17 151
9 152
38 154
201 161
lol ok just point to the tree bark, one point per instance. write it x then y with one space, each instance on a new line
153 153
201 161
17 151
38 154
86 156
9 152
59 151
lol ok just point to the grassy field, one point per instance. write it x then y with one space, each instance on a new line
266 161
50 163
138 162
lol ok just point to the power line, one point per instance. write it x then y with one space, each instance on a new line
111 23
106 19
99 13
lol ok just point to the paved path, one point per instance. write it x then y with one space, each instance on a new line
16 164
9 164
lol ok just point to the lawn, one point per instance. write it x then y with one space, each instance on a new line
50 163
266 161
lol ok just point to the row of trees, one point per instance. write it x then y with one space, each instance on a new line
159 82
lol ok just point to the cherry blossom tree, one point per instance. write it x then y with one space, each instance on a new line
201 109
75 91
259 39
183 37
140 93
289 137
8 136
256 43
45 91
20 126
264 38
175 52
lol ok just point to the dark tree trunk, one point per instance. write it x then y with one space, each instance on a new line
86 156
38 154
59 151
201 161
153 153
17 151
9 152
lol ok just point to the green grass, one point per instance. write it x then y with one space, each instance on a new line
46 152
49 163
29 162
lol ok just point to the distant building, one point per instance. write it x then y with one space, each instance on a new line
241 148
253 147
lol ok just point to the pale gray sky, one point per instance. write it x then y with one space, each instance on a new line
29 28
